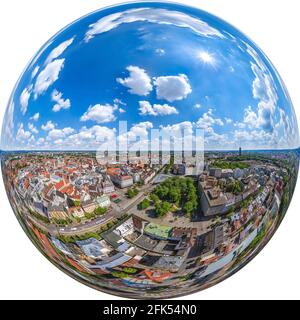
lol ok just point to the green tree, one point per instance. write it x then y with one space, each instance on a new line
131 193
100 211
144 204
174 195
119 274
130 270
161 209
154 197
188 208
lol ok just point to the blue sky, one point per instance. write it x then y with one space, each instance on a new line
155 66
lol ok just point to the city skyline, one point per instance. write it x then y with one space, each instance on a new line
218 81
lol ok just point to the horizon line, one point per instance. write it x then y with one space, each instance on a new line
205 150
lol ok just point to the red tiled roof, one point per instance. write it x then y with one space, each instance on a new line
69 190
157 275
76 265
113 171
26 184
59 185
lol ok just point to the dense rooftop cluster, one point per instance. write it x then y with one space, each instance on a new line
148 227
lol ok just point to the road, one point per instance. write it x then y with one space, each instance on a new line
91 225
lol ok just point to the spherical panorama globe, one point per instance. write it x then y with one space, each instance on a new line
150 150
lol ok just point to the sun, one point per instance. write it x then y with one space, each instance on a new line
207 58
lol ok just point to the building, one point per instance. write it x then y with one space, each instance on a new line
40 208
138 223
227 173
113 171
238 173
122 181
218 236
76 212
103 201
179 169
107 185
94 248
88 206
126 228
157 231
147 178
136 177
169 263
111 262
57 212
215 172
213 202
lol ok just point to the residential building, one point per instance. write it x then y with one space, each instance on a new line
89 206
103 201
122 181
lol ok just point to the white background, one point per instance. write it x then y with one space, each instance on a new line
26 25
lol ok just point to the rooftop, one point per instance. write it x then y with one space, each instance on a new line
158 230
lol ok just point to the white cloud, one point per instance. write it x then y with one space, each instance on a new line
138 81
140 129
48 76
212 138
257 138
156 109
84 139
59 50
287 130
181 133
96 133
197 106
48 126
34 72
207 121
240 125
51 70
172 88
146 108
90 138
60 102
31 140
228 121
59 133
250 117
22 135
59 142
118 102
99 113
32 128
7 135
137 135
160 52
215 139
152 15
40 141
263 90
35 117
285 122
186 126
24 98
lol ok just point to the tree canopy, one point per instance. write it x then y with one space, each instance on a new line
177 191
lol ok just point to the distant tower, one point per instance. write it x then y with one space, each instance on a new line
240 151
